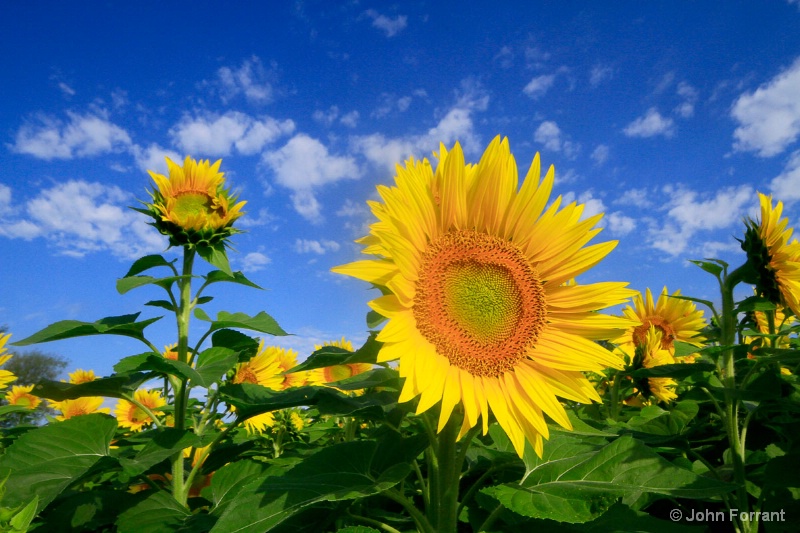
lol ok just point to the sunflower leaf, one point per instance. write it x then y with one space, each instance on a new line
578 485
213 363
116 386
45 461
676 370
712 268
124 325
216 256
132 282
333 355
153 362
163 443
147 262
156 513
262 322
343 471
236 277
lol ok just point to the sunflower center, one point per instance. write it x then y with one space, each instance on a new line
191 203
667 333
479 301
246 375
337 373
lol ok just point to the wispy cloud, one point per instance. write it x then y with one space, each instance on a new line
689 96
549 134
650 124
321 247
46 137
255 261
600 74
786 185
79 217
538 86
250 80
617 223
390 26
303 165
600 154
769 117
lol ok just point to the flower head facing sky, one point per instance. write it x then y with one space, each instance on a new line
774 261
80 406
480 312
191 205
649 354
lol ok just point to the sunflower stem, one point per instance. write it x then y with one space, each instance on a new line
179 486
727 339
448 475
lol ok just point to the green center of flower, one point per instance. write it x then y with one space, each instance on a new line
192 204
482 300
337 373
479 301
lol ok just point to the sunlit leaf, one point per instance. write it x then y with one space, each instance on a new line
262 322
124 325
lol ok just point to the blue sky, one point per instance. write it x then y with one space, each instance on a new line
667 116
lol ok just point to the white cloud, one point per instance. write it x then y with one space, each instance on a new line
650 125
80 217
5 199
326 117
350 119
689 94
303 165
255 261
81 136
549 134
154 158
786 185
304 246
635 197
390 26
505 57
251 80
599 74
538 86
600 154
688 213
617 223
218 135
66 89
769 117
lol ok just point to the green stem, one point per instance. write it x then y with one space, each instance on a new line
491 518
423 525
448 475
179 485
374 523
615 397
728 338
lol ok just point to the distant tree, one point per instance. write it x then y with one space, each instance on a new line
32 367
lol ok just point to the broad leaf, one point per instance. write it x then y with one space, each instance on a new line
153 362
163 444
262 322
146 263
157 513
115 386
45 461
236 277
333 355
125 325
216 256
582 487
129 283
229 480
343 471
677 370
213 363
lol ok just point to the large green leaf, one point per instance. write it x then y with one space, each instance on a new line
229 480
781 493
262 322
159 512
45 461
154 362
333 355
216 255
343 471
132 282
582 487
213 363
163 443
124 325
115 386
94 510
236 277
147 262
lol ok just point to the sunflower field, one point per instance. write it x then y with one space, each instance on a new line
496 392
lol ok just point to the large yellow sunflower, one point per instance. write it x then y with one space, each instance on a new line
775 260
287 359
129 415
6 376
676 319
479 310
82 376
192 204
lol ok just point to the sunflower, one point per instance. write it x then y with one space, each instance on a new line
129 415
287 359
82 376
79 406
191 206
21 395
773 260
6 376
676 319
649 354
330 374
171 351
760 321
262 369
479 311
